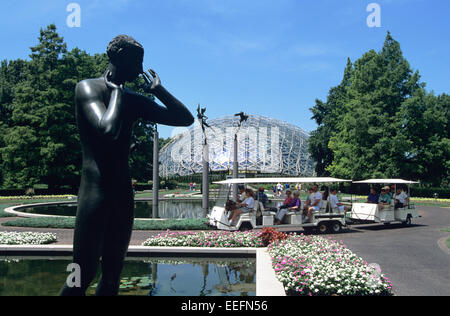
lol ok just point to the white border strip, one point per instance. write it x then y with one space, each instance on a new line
12 210
267 283
135 250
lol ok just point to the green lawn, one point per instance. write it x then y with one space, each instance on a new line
447 230
5 204
448 242
69 223
2 210
162 193
32 201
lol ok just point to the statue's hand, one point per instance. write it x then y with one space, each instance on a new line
154 78
112 85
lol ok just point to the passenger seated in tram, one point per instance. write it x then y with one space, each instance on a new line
286 204
245 207
316 203
334 201
308 200
230 206
261 197
326 193
241 195
401 198
294 204
373 197
385 198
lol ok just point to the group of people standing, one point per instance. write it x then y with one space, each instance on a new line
279 188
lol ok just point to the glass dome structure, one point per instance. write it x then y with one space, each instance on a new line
266 146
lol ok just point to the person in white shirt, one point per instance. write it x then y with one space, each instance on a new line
401 198
279 189
334 201
316 202
241 194
309 200
245 207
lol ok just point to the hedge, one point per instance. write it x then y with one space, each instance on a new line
416 191
443 193
150 225
45 192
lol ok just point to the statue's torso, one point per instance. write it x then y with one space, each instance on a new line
105 159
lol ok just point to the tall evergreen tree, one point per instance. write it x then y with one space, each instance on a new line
32 143
40 142
377 122
11 73
327 115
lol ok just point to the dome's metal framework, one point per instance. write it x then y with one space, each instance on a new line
266 146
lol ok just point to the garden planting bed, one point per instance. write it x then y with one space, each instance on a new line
26 238
315 266
306 265
211 239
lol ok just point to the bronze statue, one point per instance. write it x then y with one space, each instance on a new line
106 113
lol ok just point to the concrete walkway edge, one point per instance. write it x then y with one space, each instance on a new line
133 250
267 283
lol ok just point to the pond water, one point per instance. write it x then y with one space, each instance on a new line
167 209
140 277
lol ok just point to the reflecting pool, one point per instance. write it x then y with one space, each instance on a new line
143 209
140 277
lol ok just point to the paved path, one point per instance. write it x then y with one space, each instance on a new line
410 257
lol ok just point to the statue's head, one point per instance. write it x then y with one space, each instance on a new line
126 55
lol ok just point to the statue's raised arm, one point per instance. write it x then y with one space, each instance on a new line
174 113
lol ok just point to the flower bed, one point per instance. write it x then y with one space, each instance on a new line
213 239
7 238
314 266
37 197
306 265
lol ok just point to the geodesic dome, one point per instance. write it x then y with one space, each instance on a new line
266 146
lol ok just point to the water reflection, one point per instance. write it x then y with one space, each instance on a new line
170 209
150 277
227 278
143 209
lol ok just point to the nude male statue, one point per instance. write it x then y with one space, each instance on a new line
106 113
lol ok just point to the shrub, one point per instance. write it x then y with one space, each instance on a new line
270 235
7 238
213 239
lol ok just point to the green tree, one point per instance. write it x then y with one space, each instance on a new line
39 140
32 143
11 73
427 129
378 122
327 115
42 143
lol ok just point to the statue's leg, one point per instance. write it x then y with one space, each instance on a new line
115 246
88 236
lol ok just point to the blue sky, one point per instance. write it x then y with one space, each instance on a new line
271 58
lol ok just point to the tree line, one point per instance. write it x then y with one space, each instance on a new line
381 122
39 140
